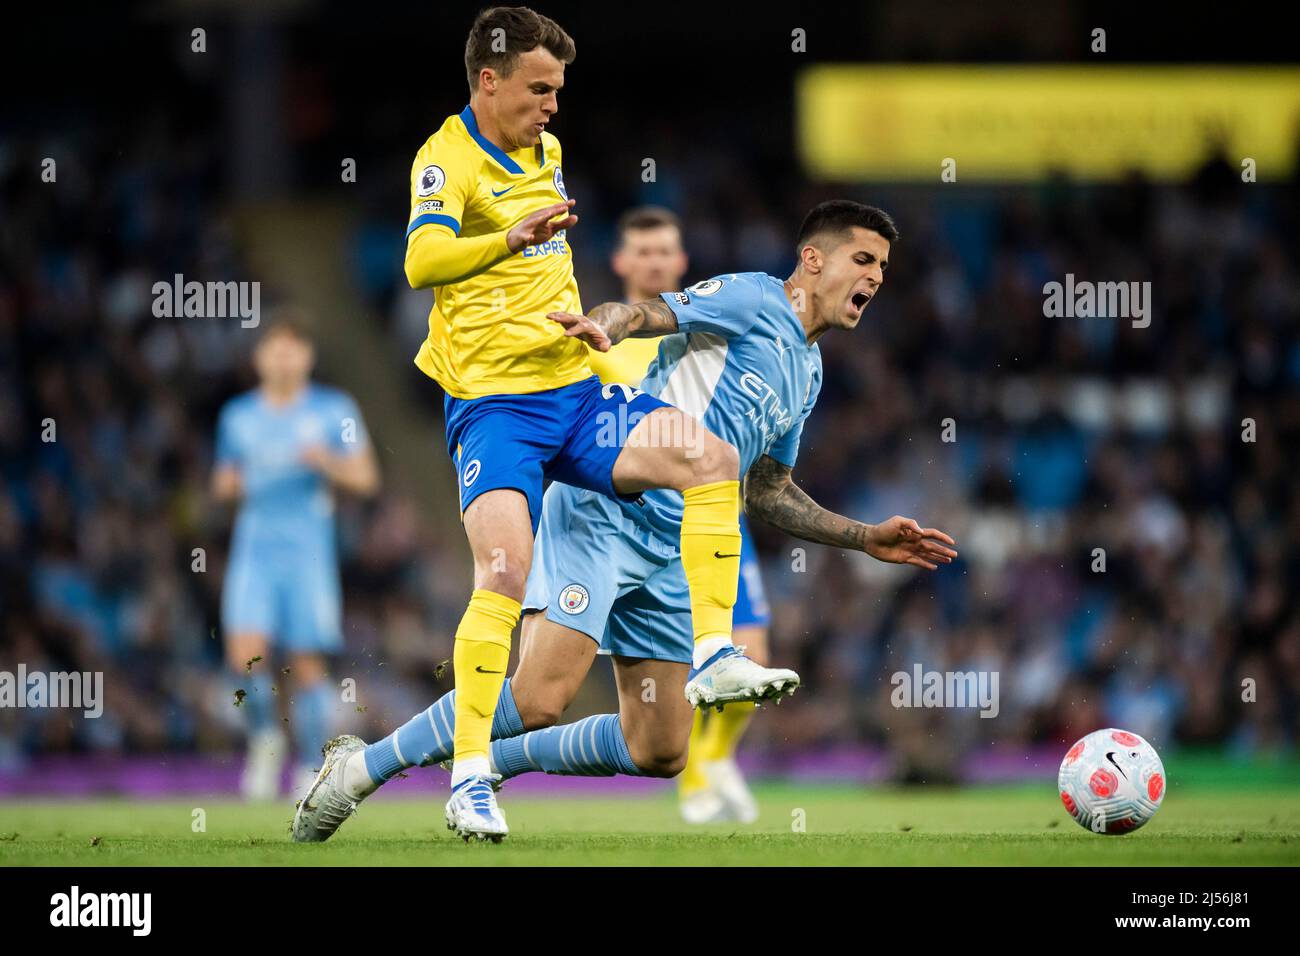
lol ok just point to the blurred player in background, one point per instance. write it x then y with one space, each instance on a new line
281 450
650 259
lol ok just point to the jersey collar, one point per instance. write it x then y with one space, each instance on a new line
492 149
791 316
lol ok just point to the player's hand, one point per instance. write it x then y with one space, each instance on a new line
902 541
540 226
582 327
315 457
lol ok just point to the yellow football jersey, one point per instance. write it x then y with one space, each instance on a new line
488 334
626 362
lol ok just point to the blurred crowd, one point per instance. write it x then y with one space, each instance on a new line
1128 523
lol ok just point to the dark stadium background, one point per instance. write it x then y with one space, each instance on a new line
226 166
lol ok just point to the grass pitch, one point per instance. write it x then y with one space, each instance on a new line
841 826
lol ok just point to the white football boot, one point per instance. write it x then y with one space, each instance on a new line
704 806
472 810
729 784
729 677
261 777
303 779
327 804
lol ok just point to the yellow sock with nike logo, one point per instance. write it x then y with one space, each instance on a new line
480 658
710 551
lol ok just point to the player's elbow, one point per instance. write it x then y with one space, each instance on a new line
368 484
224 487
417 271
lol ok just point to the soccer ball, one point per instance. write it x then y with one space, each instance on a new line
1111 781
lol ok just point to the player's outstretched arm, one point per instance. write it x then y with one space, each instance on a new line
435 256
611 322
772 496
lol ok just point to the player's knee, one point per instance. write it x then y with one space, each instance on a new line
504 577
659 758
536 711
666 765
713 460
308 671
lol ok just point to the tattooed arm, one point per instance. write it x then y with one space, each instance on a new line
611 322
772 496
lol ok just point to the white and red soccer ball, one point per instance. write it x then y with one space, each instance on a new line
1111 781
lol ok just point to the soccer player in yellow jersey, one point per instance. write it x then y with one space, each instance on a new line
488 233
650 259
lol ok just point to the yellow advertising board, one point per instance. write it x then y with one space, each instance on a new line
1019 122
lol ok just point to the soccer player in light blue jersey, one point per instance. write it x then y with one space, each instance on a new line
741 356
282 450
651 259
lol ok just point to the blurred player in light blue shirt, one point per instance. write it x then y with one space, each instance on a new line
282 450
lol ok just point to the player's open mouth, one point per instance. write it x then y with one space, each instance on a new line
859 301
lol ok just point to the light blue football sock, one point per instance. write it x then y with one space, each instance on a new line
426 738
310 717
591 747
258 703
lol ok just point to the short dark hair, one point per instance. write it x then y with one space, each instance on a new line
841 215
646 217
522 30
288 320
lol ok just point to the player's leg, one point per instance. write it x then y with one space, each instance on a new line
248 615
499 444
646 738
712 787
622 442
550 671
311 601
311 706
657 726
266 745
705 470
542 687
649 633
499 529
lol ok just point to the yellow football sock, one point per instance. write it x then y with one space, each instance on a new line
725 730
692 778
480 657
711 555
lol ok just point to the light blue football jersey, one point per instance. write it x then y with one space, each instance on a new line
741 364
287 507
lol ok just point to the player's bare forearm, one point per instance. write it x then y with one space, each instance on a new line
772 496
227 485
640 320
